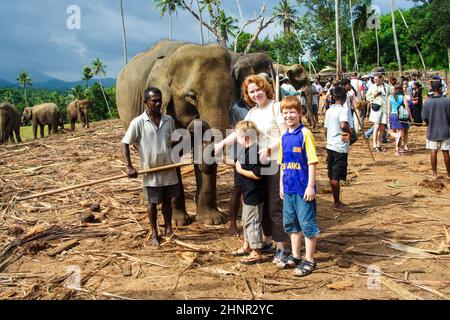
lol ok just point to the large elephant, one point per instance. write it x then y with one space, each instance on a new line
196 84
9 123
41 115
298 77
79 109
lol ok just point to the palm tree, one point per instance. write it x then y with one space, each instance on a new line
226 26
397 51
169 6
98 69
87 75
359 17
77 92
124 35
285 13
24 79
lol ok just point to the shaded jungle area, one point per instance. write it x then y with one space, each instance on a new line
392 245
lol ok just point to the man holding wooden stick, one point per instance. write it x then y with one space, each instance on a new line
151 132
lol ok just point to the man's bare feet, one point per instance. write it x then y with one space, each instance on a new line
233 231
155 241
168 232
341 207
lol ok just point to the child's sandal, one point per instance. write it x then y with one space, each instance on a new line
305 268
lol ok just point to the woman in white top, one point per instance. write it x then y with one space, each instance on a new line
266 114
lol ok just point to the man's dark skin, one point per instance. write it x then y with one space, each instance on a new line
335 186
153 103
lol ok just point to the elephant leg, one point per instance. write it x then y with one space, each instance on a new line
179 213
207 212
72 125
7 136
41 128
35 131
17 132
49 130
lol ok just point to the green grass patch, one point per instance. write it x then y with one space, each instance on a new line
26 133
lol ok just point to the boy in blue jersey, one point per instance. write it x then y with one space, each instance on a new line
298 160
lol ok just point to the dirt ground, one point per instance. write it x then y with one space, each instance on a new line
392 245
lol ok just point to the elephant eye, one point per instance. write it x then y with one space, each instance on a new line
190 94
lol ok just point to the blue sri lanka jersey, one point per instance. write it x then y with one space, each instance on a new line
297 151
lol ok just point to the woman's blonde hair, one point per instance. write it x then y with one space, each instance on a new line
261 82
248 129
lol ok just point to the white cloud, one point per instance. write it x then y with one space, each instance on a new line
69 42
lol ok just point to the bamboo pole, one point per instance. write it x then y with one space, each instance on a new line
90 183
277 83
397 50
338 48
361 125
353 36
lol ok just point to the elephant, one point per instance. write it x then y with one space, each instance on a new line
298 77
196 84
244 65
79 109
9 123
41 115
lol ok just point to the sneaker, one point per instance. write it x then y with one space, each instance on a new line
267 248
279 256
289 262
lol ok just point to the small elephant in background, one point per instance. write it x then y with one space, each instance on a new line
41 115
79 109
9 123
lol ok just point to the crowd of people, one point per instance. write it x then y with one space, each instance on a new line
275 159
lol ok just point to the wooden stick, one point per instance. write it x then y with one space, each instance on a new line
152 170
365 138
277 83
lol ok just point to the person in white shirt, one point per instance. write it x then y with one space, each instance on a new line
317 92
378 95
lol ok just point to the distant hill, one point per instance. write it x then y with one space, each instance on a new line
56 84
7 84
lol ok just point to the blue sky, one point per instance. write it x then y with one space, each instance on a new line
34 34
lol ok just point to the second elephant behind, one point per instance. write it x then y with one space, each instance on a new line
79 109
41 115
